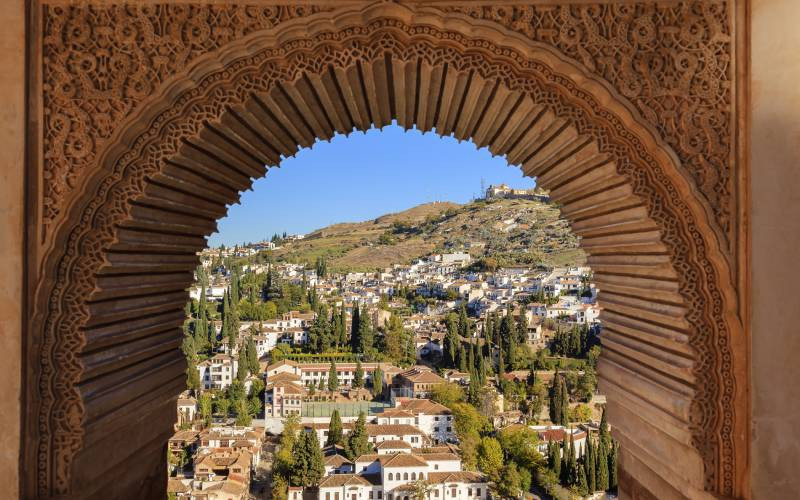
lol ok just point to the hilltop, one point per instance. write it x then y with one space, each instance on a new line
513 231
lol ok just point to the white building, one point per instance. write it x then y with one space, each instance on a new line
217 372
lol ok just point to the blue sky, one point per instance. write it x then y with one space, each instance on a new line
361 177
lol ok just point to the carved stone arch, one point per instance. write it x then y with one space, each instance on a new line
121 262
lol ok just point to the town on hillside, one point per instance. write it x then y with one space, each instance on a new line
453 376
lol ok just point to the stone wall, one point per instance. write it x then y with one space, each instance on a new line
775 272
12 224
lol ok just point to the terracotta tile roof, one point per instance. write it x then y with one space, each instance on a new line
283 377
368 458
336 480
425 406
187 435
392 444
422 377
440 457
395 413
402 460
393 429
336 460
177 486
283 362
456 477
559 435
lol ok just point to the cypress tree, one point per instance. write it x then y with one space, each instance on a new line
335 433
242 369
572 463
377 382
333 378
462 359
588 462
501 366
507 330
473 391
451 342
564 401
556 459
365 333
358 376
309 465
471 358
605 435
601 467
463 322
511 350
522 327
555 400
613 478
564 478
252 356
355 341
342 327
488 334
358 440
581 485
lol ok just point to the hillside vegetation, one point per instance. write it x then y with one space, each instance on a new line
510 231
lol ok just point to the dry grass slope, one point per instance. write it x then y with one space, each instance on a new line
512 231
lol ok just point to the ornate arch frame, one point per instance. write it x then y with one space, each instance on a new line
680 332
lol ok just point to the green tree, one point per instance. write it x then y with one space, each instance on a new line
601 467
605 435
358 376
522 327
252 357
192 376
447 394
321 267
355 329
254 406
358 441
333 378
559 400
510 484
451 342
377 382
613 478
309 466
335 433
223 405
520 443
581 485
204 404
490 457
554 458
365 332
242 411
588 465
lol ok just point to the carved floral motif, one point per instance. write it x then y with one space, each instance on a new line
672 60
101 62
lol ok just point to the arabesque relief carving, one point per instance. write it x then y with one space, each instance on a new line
671 59
102 62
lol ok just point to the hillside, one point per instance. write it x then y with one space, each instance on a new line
512 231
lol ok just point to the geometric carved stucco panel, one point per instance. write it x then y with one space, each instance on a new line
85 100
672 60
